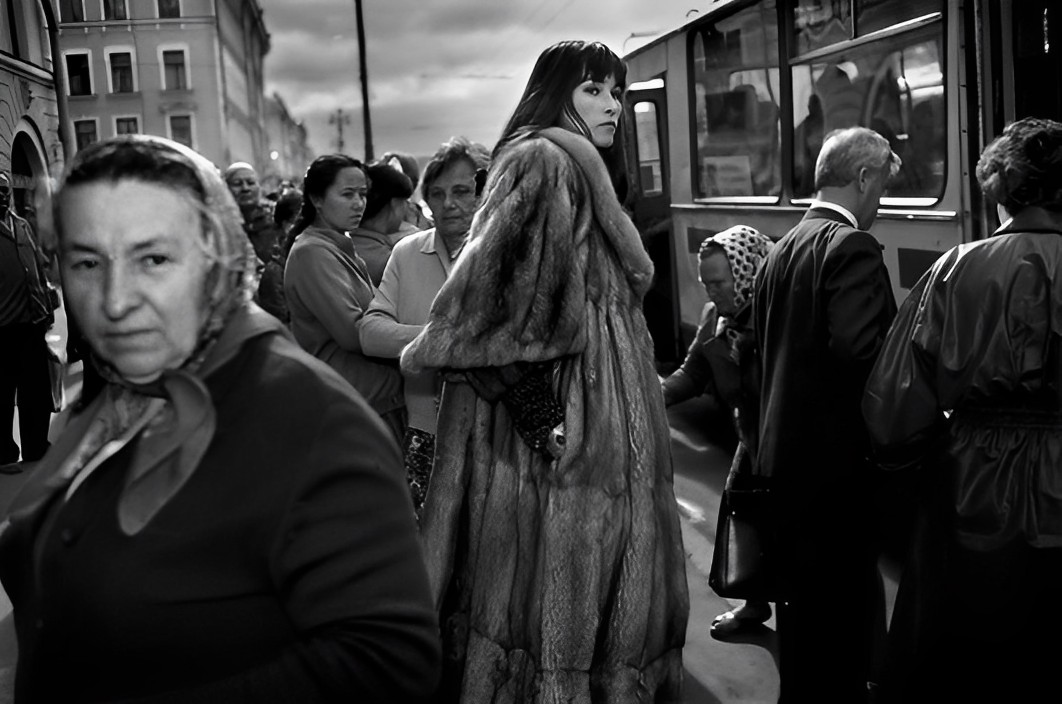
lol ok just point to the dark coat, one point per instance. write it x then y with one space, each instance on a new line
980 336
822 307
286 569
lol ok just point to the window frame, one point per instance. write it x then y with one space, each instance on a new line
776 63
95 125
158 10
183 48
103 10
191 127
119 49
63 20
130 116
87 53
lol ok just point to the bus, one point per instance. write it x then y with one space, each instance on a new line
730 110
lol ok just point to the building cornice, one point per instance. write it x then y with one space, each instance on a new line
27 70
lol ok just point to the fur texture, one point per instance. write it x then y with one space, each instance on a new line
556 580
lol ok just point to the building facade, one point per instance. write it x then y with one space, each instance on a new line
30 144
190 70
289 150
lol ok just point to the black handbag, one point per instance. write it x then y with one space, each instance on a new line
744 564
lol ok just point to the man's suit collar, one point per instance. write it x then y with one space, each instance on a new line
829 211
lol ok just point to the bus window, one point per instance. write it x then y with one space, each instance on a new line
650 170
894 86
735 92
872 15
821 23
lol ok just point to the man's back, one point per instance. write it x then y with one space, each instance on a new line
822 307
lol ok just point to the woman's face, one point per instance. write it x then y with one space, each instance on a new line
134 269
452 199
244 186
718 282
343 202
598 104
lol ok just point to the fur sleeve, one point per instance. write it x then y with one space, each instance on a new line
518 291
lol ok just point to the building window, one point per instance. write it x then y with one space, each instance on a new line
71 10
169 8
174 71
114 10
77 70
126 125
181 129
122 72
85 133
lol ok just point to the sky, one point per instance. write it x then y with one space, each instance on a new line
436 68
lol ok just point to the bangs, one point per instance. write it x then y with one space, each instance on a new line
600 63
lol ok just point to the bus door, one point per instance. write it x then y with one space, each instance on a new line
1032 58
652 216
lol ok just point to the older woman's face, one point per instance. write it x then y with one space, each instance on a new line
598 104
718 282
452 198
243 183
134 270
341 206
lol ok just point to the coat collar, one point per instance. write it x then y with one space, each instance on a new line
824 210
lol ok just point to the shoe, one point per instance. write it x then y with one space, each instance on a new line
743 618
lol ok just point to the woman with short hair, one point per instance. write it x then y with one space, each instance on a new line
967 394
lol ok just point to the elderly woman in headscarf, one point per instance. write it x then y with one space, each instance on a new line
226 520
717 364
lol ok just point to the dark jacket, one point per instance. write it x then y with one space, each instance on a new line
822 307
286 569
968 393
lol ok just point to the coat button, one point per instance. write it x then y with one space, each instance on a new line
67 536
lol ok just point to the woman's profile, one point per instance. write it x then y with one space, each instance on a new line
550 524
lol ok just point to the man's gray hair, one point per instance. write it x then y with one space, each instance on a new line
847 151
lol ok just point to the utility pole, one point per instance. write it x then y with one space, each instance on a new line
338 118
364 70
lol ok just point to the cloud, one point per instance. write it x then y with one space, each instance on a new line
436 67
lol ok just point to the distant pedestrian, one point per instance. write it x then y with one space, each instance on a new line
968 392
415 272
328 289
223 522
271 286
416 218
26 312
821 308
257 210
385 207
550 527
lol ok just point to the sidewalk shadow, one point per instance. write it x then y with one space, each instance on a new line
693 692
756 634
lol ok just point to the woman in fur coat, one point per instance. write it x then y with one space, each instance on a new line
551 529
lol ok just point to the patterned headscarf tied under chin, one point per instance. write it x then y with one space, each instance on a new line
745 250
173 418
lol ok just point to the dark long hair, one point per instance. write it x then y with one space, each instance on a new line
319 176
557 73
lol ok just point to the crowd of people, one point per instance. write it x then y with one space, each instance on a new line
344 444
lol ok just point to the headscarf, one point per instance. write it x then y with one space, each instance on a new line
173 416
745 249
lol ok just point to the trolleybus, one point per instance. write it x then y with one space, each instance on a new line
730 111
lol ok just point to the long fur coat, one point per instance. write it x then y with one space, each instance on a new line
557 580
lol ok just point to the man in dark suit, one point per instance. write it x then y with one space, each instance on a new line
822 306
25 315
